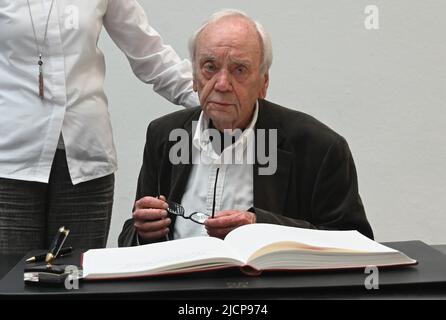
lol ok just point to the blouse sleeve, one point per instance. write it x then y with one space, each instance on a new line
152 61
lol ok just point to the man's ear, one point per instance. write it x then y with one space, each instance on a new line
195 87
265 84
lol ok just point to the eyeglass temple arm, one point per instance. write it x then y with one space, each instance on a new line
215 189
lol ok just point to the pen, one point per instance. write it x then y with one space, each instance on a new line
57 244
41 257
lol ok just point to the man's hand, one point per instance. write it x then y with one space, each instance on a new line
150 218
226 221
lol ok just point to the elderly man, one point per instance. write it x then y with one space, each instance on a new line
313 186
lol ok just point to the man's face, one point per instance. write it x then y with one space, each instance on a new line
227 72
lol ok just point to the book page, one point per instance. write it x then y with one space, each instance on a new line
158 258
250 238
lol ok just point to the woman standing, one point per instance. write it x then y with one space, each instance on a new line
57 156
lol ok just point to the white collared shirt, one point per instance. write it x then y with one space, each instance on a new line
74 69
235 183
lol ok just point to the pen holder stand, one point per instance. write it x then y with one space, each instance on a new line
51 275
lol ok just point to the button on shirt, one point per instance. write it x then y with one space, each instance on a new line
75 104
235 182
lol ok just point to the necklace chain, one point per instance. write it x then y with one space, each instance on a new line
38 48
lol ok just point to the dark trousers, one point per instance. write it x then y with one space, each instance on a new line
32 212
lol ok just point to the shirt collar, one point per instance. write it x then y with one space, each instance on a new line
201 139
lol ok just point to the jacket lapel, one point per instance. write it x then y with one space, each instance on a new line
180 173
270 191
180 176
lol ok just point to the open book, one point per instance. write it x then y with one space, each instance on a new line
253 248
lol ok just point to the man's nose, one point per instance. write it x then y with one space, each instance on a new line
223 82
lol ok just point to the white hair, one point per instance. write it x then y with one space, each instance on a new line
267 48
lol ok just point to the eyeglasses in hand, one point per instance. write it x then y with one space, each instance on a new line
197 217
178 210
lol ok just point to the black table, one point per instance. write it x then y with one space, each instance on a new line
7 262
427 280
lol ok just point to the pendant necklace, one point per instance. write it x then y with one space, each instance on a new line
40 48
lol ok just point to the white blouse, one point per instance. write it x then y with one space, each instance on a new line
74 69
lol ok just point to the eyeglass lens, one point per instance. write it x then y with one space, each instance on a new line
175 208
178 209
199 217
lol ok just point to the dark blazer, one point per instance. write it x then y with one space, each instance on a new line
315 185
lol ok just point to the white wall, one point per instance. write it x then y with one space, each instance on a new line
383 90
